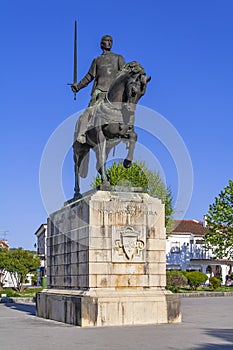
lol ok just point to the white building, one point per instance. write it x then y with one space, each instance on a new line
185 250
41 234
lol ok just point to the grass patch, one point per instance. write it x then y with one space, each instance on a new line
27 293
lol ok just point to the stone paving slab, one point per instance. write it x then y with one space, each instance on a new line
207 325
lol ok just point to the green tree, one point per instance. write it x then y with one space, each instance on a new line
219 221
21 262
138 175
157 188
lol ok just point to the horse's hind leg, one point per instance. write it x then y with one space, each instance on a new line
77 161
131 146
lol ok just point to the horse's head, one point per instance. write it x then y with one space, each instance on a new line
135 86
129 85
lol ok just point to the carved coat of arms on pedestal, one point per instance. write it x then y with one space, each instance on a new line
128 246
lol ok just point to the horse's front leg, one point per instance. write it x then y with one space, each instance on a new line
132 139
101 155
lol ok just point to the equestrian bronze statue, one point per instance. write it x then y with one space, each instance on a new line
109 118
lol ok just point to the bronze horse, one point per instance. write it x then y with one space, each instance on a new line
109 122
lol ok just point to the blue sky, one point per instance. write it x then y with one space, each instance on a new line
187 48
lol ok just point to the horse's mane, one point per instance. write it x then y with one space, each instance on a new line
129 69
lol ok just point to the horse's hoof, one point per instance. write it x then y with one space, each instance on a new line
77 196
127 163
105 185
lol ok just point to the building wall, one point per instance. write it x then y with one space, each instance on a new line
41 235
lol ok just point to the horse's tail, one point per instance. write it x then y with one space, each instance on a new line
81 158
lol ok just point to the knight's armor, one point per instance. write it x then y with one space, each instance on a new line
103 69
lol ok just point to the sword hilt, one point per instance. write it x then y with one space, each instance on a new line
73 91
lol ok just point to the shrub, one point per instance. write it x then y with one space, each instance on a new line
175 280
215 282
195 279
219 277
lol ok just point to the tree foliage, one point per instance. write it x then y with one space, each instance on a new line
138 175
120 176
18 263
157 188
220 224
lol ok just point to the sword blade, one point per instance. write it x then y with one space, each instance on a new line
75 53
75 57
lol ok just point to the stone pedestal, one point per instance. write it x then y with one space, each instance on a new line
107 263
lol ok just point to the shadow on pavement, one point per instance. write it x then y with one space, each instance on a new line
215 347
224 334
29 309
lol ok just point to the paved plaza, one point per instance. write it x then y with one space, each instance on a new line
207 325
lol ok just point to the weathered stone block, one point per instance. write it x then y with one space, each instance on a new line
93 308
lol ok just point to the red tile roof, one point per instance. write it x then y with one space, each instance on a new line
189 226
3 244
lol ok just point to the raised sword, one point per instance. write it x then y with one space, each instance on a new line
75 58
